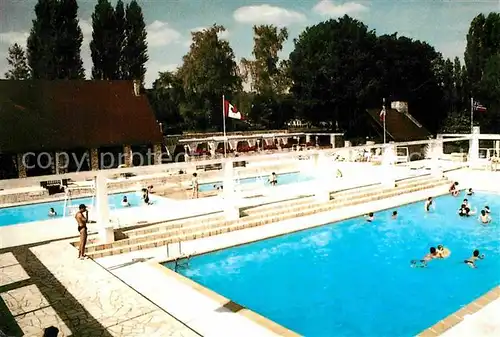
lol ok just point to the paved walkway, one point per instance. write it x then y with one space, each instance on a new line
47 285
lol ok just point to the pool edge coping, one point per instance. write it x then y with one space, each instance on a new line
458 316
230 305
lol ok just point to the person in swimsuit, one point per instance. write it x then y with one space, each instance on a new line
471 261
125 202
487 209
273 180
433 254
394 214
465 211
81 218
454 189
428 204
145 196
195 185
52 212
370 217
484 217
470 192
465 203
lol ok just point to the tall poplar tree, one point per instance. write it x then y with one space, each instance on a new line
103 45
135 54
69 38
42 41
120 37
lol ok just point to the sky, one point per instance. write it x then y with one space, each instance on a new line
443 24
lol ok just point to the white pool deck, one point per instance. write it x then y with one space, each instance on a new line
124 312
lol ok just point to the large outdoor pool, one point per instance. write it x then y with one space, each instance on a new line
354 278
283 179
37 212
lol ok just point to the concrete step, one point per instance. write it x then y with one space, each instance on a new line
215 228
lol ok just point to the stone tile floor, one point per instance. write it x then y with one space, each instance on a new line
46 285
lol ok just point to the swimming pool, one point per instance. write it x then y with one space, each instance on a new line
283 179
354 278
37 212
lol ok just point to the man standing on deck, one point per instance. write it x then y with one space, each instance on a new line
81 218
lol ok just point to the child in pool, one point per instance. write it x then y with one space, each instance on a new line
471 261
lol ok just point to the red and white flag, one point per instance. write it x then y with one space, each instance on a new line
231 111
479 107
382 114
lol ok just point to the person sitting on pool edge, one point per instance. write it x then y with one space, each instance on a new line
394 214
125 202
428 204
370 217
52 212
454 189
470 192
471 261
484 217
443 252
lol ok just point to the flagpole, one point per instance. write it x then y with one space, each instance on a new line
471 114
224 122
385 115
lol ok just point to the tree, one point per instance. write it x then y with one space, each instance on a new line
120 37
69 38
42 41
135 53
16 59
332 71
264 72
208 72
105 57
483 41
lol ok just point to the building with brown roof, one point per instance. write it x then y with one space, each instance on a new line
64 126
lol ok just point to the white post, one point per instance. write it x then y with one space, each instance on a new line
224 123
231 209
323 177
388 161
106 232
474 146
332 141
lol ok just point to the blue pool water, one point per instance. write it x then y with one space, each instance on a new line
37 212
354 278
283 179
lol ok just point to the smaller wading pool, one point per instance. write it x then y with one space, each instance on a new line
283 179
37 212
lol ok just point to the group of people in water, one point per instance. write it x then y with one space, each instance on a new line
442 252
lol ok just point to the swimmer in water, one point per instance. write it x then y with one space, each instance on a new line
273 179
470 192
484 217
465 211
370 217
471 261
125 202
428 204
52 212
394 214
443 252
465 203
487 209
433 254
454 189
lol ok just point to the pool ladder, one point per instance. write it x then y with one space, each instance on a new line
180 258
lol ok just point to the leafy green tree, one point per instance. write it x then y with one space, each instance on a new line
135 53
105 57
489 92
120 38
42 41
16 59
69 64
332 71
208 72
483 41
